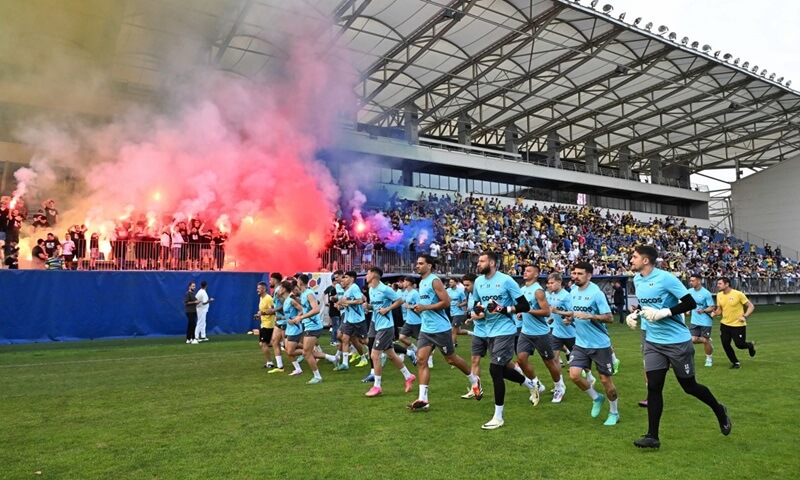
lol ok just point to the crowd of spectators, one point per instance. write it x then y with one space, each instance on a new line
457 228
555 237
134 242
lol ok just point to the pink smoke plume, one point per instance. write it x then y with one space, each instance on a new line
239 154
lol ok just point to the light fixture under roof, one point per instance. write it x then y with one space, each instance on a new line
648 26
673 36
736 62
727 57
685 40
746 65
772 76
706 48
779 80
637 21
695 44
755 69
608 8
764 72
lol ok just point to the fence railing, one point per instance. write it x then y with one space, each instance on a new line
137 255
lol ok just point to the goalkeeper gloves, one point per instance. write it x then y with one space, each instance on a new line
653 315
633 319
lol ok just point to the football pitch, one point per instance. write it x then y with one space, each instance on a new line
161 409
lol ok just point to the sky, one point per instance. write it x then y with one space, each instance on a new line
764 33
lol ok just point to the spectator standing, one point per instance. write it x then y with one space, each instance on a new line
190 305
50 212
68 251
203 302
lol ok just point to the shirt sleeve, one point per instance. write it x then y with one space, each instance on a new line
601 303
675 287
391 294
743 298
513 289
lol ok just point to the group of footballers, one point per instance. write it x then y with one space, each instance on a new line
508 322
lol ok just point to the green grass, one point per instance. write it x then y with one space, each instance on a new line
157 408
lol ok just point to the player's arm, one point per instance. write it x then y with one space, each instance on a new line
750 309
395 304
544 307
687 304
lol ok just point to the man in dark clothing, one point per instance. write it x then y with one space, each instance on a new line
619 301
190 303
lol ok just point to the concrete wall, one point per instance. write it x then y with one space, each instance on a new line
766 204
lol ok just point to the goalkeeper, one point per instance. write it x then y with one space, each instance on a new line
664 300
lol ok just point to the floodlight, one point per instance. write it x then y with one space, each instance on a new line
594 2
706 48
622 16
673 36
779 80
755 69
736 62
637 21
695 44
663 29
727 57
648 26
607 8
788 83
716 54
746 65
764 72
772 76
685 40
621 70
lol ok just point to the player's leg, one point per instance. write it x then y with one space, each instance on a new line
726 334
309 342
277 337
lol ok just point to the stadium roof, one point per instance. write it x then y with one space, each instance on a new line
545 66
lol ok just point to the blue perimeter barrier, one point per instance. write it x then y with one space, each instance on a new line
47 306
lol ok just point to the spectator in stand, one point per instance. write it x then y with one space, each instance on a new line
50 212
94 250
219 249
38 255
12 257
51 245
68 251
78 233
39 221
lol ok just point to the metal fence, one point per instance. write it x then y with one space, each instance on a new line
138 255
390 261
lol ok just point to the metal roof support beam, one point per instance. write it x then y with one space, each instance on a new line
440 18
541 20
534 93
510 86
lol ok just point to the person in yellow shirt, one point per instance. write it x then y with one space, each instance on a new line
267 317
731 305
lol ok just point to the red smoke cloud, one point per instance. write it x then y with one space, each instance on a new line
232 152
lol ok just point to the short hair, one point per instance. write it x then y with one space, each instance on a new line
39 241
411 279
556 277
469 277
203 284
697 276
303 278
725 280
376 271
532 265
277 276
351 274
428 259
338 272
190 283
287 285
584 266
647 252
262 284
491 255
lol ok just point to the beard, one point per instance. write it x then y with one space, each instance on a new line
485 271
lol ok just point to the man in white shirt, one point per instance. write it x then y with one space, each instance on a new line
435 249
202 310
67 249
